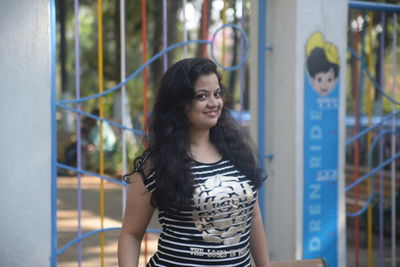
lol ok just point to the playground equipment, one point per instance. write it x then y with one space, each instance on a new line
78 110
362 66
370 91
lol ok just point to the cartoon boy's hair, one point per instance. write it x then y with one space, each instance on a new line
318 62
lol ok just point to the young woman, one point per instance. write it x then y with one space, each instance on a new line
200 173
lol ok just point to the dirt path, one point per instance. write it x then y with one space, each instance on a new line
67 223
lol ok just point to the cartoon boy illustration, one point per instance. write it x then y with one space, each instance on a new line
322 64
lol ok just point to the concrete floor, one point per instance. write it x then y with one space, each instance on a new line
363 255
68 224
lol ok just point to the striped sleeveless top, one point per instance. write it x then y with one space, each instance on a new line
216 230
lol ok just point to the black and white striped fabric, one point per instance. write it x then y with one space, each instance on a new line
216 231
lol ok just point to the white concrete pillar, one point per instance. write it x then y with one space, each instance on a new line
293 215
25 133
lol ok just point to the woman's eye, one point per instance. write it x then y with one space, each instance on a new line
201 96
218 94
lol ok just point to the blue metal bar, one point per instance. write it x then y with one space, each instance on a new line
244 40
269 156
123 127
153 231
80 238
160 54
78 127
90 173
393 150
361 77
365 208
134 74
375 141
53 73
365 131
262 9
374 6
372 172
380 101
376 84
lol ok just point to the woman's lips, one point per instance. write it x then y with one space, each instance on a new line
213 113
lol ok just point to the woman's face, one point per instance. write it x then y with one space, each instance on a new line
207 104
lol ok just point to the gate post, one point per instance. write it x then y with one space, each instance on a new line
25 133
304 124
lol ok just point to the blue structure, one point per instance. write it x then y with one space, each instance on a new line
261 129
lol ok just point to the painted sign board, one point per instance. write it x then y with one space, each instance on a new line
321 150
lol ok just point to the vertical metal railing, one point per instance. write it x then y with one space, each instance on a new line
375 117
75 106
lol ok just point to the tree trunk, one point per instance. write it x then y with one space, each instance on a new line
62 16
200 30
233 74
117 103
173 7
117 38
157 69
67 118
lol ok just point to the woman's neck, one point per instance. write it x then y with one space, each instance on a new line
202 149
199 138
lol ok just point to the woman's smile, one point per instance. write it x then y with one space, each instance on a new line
207 103
212 113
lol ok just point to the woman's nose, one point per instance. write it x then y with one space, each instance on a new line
212 101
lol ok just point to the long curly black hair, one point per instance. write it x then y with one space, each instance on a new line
168 151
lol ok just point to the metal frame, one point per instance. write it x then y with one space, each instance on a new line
63 104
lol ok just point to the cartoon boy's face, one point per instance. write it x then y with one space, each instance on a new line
323 82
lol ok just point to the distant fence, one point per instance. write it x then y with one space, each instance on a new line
373 134
75 109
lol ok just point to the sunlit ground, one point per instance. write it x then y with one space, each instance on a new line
67 223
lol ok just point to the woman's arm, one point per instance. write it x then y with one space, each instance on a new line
138 213
258 242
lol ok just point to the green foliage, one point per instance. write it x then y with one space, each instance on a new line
369 47
132 152
89 62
